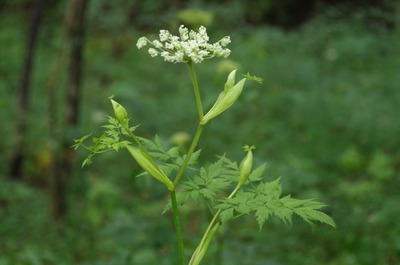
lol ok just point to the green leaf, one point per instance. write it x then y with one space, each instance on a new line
308 210
195 157
239 205
87 161
257 174
209 181
253 78
264 201
151 145
79 142
227 215
285 214
272 189
262 215
110 140
157 140
173 152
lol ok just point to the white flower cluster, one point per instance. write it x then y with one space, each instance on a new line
188 47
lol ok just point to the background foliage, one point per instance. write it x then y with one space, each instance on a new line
326 120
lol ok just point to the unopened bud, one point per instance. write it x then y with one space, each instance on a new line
120 113
246 165
230 82
226 98
150 167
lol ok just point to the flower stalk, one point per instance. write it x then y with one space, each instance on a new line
196 91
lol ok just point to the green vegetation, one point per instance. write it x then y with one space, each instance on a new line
327 121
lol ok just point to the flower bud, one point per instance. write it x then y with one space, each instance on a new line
246 165
120 113
150 167
230 82
226 98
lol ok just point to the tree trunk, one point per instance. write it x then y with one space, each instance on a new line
64 165
18 156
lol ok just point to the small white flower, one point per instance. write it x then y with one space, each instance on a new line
179 55
226 53
153 52
225 40
203 53
164 54
164 35
189 46
157 44
203 31
183 32
169 46
141 42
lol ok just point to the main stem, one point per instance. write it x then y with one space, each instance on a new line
196 90
177 228
189 154
184 165
199 128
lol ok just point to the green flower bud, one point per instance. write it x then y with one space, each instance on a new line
230 82
246 165
150 167
226 98
120 113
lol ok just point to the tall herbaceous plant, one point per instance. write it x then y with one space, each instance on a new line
231 189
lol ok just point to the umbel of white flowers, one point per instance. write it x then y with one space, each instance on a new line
190 46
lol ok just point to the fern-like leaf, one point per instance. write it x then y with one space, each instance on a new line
264 200
309 210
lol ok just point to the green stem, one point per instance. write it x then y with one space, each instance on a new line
210 231
189 154
185 164
219 211
135 139
196 90
199 128
178 229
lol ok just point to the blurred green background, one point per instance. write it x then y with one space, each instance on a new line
326 119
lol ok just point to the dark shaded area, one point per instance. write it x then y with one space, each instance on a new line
288 14
18 156
65 162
